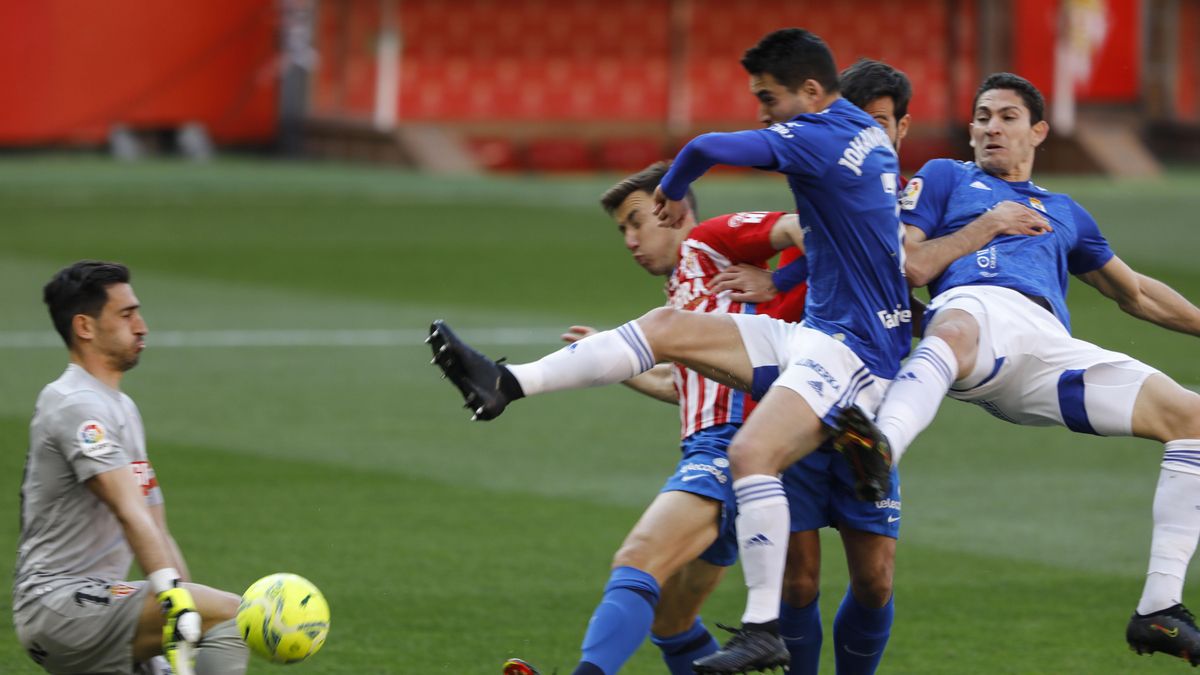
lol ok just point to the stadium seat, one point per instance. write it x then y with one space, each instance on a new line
629 154
559 154
495 153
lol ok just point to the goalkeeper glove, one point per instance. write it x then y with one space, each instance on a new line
181 625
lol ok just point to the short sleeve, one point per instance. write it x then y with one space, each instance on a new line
1091 250
741 237
923 203
86 433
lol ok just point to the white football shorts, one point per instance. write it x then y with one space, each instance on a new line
822 369
1031 371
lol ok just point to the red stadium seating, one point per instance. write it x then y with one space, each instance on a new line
629 154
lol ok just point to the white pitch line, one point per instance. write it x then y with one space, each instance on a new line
295 338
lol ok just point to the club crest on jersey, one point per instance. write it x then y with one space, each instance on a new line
912 194
93 439
1037 204
122 590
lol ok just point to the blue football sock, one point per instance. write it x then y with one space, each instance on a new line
801 631
678 651
620 623
860 635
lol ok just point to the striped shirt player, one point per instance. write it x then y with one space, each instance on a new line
711 247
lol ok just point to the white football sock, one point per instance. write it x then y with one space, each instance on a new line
913 398
606 357
1176 526
763 524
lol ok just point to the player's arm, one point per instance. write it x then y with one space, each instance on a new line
658 382
739 148
1144 297
159 513
120 491
926 259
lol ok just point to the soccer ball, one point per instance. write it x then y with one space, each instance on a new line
283 617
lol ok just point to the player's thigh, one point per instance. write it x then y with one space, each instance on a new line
782 429
1165 411
214 606
710 344
802 576
683 595
674 529
82 626
871 560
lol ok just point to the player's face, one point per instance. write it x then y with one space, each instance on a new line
119 332
883 111
775 102
655 248
1004 136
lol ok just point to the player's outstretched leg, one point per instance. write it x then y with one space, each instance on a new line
518 667
1170 631
747 650
486 386
868 452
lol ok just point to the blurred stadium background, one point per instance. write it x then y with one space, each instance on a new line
364 166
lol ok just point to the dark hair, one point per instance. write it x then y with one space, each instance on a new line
868 80
791 56
1028 93
643 181
81 288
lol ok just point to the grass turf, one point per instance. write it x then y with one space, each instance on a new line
447 547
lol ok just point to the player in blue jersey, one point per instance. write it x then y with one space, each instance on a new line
843 172
821 485
998 335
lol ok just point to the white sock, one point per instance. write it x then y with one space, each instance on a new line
915 395
606 357
762 527
1176 526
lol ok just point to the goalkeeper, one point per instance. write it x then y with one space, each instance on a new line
91 504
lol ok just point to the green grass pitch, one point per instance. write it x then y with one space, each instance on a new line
446 547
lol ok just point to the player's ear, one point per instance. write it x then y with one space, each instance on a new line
971 133
1040 131
83 326
902 127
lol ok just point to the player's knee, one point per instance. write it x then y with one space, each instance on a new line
635 551
749 459
961 336
872 591
1183 416
800 589
659 325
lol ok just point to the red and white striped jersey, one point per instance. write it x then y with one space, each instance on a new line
712 246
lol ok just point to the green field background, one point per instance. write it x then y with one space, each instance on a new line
446 547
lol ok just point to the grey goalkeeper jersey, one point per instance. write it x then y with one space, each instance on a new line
81 428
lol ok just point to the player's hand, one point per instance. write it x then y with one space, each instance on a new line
745 283
577 333
670 212
181 628
1009 217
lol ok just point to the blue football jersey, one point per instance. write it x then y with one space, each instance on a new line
843 172
946 195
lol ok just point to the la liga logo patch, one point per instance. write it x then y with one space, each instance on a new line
93 438
91 433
